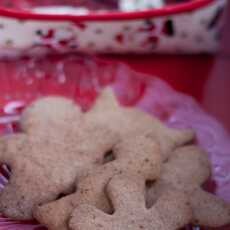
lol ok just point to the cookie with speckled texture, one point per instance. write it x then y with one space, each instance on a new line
170 212
187 169
136 154
126 120
55 147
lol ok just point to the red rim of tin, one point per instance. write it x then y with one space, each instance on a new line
108 16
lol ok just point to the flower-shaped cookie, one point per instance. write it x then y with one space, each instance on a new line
138 155
187 169
55 147
125 120
170 212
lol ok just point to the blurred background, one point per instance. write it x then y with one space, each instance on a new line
205 77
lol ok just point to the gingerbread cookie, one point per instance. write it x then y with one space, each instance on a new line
138 155
126 120
171 211
187 169
55 147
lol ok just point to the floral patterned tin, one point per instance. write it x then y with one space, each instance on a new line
192 27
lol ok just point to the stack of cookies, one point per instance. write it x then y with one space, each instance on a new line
111 168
